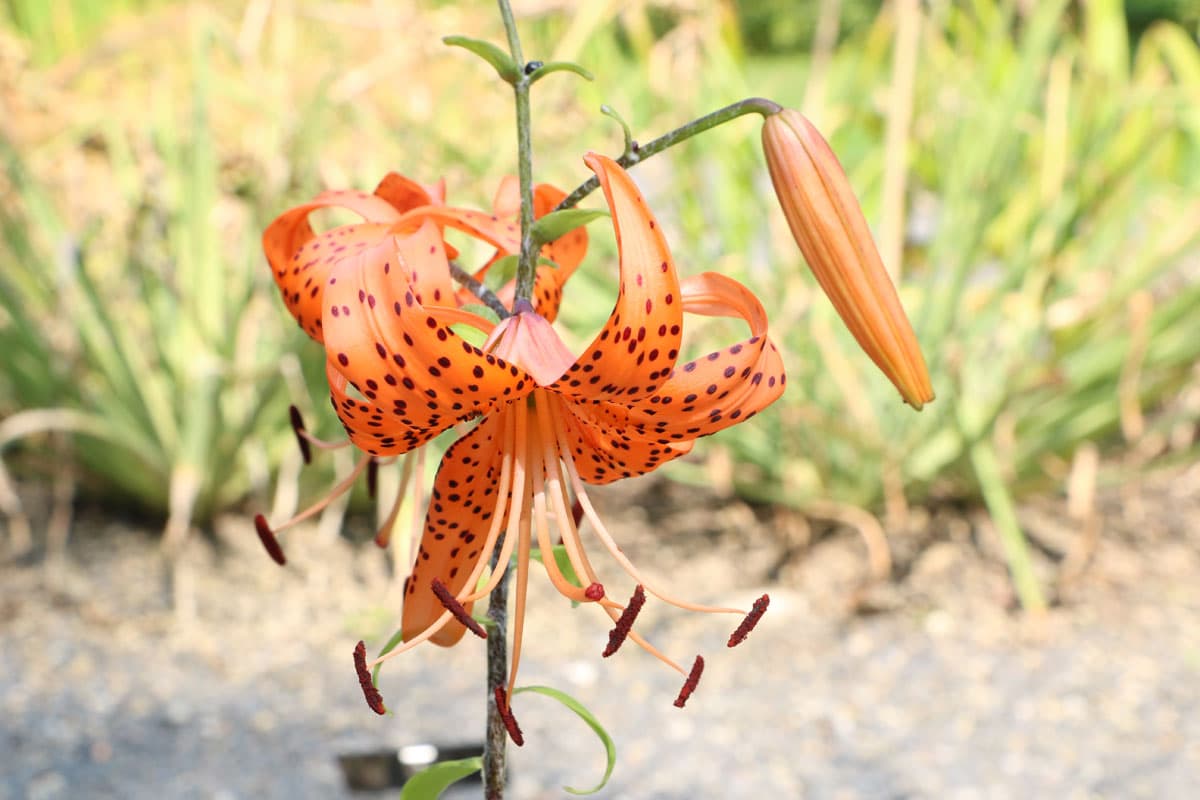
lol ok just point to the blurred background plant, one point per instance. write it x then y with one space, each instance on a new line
1032 171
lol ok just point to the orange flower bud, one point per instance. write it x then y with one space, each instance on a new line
828 224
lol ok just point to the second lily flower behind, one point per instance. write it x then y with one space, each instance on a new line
548 422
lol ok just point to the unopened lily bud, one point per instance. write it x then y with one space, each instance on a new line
829 226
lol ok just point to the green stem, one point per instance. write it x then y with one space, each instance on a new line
751 105
481 292
527 259
496 735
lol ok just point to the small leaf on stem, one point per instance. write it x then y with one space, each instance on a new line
610 748
501 61
558 223
559 66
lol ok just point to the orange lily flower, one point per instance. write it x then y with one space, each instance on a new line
304 262
548 423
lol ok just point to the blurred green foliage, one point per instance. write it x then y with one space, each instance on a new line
1048 174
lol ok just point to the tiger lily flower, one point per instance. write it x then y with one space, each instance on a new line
547 422
304 262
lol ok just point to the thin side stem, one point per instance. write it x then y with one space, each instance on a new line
481 292
751 105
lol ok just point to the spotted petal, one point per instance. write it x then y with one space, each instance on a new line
460 514
614 440
405 194
634 352
416 376
301 260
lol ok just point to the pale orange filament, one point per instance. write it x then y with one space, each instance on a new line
517 507
522 587
508 466
605 537
562 515
337 491
322 444
384 534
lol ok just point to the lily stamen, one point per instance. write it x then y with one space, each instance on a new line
742 631
506 716
306 440
617 635
337 491
689 685
456 608
601 531
374 698
269 542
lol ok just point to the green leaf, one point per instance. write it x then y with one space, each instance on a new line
500 273
557 223
480 310
559 66
396 639
562 560
432 781
609 111
610 749
501 61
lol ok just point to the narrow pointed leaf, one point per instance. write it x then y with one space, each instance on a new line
501 61
610 748
430 783
560 66
396 639
562 560
558 223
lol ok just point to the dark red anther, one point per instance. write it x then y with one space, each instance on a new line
616 637
743 630
456 608
374 698
594 591
577 512
372 477
689 685
506 716
269 542
298 429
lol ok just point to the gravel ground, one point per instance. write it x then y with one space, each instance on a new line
927 686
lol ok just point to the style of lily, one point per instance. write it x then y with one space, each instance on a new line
304 262
547 423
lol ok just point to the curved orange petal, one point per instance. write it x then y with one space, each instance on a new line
460 513
634 352
301 276
424 254
500 233
506 202
416 375
405 194
614 440
607 448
